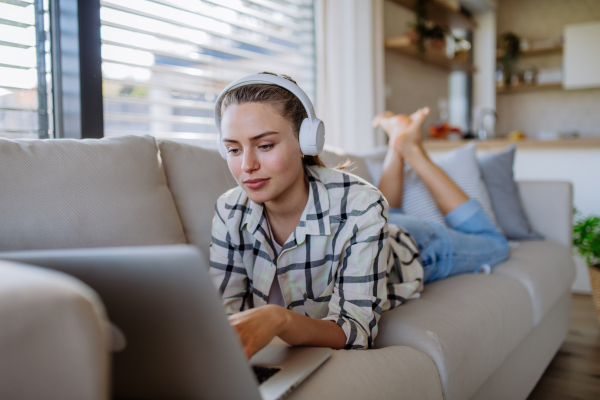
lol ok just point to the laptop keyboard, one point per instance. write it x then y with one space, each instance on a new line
264 373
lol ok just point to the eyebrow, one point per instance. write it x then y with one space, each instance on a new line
253 138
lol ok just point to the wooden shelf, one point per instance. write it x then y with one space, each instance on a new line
530 144
536 52
442 14
528 88
436 58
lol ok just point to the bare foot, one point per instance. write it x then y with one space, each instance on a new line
405 132
392 124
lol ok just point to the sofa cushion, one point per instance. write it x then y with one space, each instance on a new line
545 268
468 325
497 173
64 193
197 177
398 372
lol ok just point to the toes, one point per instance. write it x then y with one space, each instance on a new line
420 114
378 118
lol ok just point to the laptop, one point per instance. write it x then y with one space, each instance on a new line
179 343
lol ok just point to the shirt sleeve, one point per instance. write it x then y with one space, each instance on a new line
227 270
361 282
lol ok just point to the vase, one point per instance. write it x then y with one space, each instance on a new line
594 271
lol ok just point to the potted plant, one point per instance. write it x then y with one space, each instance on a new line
424 31
510 45
586 239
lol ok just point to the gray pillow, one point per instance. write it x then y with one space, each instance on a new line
497 173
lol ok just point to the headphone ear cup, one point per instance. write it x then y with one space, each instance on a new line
312 137
319 133
304 138
221 147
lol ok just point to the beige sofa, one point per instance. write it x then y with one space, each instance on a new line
468 337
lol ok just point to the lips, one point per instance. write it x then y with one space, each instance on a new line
256 183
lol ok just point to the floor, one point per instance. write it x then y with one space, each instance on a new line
574 373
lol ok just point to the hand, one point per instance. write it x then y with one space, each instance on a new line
258 326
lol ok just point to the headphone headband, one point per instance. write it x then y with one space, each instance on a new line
269 80
312 131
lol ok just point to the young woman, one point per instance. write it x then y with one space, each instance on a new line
305 252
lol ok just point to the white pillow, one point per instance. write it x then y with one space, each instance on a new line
461 166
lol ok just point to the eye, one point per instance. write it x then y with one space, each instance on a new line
266 146
233 150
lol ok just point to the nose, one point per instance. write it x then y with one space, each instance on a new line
250 162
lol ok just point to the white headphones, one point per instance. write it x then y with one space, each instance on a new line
312 130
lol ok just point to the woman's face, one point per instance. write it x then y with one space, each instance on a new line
263 153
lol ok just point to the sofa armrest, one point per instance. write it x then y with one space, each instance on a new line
147 292
53 336
549 206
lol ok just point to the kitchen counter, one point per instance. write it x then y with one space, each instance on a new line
529 144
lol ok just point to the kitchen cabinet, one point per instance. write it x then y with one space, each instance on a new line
581 56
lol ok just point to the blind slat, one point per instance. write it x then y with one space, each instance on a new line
14 23
210 137
18 109
19 3
192 104
289 11
169 86
160 118
13 44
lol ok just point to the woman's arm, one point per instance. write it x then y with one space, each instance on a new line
258 326
227 269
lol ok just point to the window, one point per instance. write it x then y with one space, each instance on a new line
164 62
25 91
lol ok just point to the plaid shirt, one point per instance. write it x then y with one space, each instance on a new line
343 262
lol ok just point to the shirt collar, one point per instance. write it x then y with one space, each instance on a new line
314 219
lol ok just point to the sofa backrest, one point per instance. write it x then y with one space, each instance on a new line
197 177
63 193
549 207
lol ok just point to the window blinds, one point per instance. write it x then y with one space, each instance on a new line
24 70
164 62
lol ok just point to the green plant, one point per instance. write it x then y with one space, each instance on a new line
586 239
510 44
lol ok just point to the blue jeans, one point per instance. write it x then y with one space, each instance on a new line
469 243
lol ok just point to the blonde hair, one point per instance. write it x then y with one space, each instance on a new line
282 100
